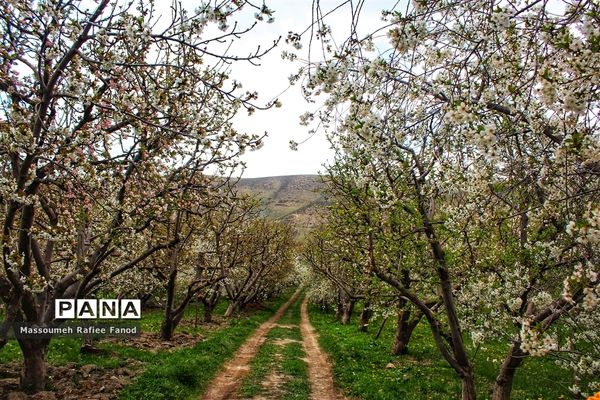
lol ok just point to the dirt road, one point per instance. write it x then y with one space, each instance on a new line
226 384
319 368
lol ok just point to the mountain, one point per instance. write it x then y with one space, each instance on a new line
296 199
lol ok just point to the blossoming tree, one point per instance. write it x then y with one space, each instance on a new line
259 256
368 235
488 114
106 114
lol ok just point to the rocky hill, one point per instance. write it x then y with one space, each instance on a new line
296 198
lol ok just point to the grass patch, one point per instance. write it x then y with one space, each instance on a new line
293 366
66 350
260 367
360 366
179 374
185 373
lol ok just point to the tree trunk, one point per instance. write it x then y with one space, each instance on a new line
144 298
468 386
325 306
404 330
209 302
365 316
167 329
231 308
347 311
504 380
87 347
4 333
208 311
33 376
170 324
461 362
381 328
172 319
339 311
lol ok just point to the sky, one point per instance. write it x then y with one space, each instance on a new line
270 80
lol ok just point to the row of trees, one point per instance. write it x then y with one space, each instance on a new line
226 250
115 117
466 178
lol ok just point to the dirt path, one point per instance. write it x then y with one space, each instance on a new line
319 368
225 384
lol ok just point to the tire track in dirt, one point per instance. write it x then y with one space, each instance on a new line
226 383
319 367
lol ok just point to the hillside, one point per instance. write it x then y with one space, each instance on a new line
295 198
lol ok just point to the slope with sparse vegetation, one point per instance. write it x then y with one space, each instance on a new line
296 199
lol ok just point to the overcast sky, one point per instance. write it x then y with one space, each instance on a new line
270 79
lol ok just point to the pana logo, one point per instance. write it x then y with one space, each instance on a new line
94 309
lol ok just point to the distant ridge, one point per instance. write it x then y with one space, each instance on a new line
297 199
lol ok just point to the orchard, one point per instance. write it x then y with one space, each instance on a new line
461 202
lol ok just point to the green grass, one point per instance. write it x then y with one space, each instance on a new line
184 374
179 374
360 366
296 387
282 358
66 350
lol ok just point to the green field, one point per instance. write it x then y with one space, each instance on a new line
365 369
177 374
